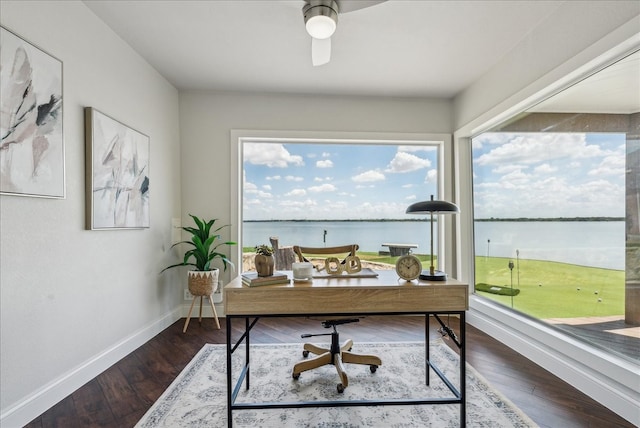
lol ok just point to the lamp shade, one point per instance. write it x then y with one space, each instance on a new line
321 19
433 207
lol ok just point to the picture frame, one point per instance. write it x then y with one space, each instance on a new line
32 156
117 174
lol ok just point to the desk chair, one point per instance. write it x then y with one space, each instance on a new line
335 354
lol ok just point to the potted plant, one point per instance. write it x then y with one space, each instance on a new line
203 280
264 261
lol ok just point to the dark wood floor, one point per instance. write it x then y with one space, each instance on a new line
123 393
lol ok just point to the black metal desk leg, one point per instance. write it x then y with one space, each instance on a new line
246 357
229 393
463 371
426 348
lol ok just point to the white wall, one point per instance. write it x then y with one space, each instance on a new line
75 301
580 36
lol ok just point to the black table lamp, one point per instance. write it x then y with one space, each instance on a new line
432 207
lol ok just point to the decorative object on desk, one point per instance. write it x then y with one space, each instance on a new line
432 207
408 267
32 147
117 174
253 279
351 264
363 273
332 264
198 395
203 280
302 271
264 261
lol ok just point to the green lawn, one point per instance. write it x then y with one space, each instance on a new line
555 290
547 289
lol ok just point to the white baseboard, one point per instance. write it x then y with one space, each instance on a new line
33 405
610 380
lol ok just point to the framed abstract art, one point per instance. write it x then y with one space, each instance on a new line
31 145
117 170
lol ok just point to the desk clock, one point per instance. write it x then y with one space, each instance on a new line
408 267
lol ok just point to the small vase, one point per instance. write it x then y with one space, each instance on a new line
264 265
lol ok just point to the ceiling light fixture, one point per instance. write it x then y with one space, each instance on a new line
321 18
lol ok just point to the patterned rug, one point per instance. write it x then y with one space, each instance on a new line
197 397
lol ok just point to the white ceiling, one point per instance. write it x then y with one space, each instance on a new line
615 89
397 48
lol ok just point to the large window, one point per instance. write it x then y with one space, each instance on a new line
325 192
552 214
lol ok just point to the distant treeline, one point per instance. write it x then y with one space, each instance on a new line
553 219
477 219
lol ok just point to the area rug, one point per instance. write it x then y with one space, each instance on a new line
197 397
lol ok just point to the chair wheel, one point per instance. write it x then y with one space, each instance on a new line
305 354
340 388
373 368
296 376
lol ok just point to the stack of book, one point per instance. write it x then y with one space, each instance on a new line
251 279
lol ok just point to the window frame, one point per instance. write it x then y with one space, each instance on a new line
445 184
608 378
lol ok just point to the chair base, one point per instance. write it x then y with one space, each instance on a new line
215 314
336 355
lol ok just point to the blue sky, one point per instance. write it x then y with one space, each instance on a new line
335 181
515 175
549 175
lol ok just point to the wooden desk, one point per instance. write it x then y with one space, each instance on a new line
384 295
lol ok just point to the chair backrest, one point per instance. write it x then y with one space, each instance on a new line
348 250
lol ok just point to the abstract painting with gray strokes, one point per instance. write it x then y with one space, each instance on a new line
31 145
119 174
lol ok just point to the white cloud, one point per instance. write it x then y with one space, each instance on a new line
308 203
323 188
248 187
369 176
296 192
611 165
252 202
515 179
273 177
545 168
533 148
432 176
406 162
266 186
271 155
324 163
506 169
293 178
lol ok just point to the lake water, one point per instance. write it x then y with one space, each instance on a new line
589 243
